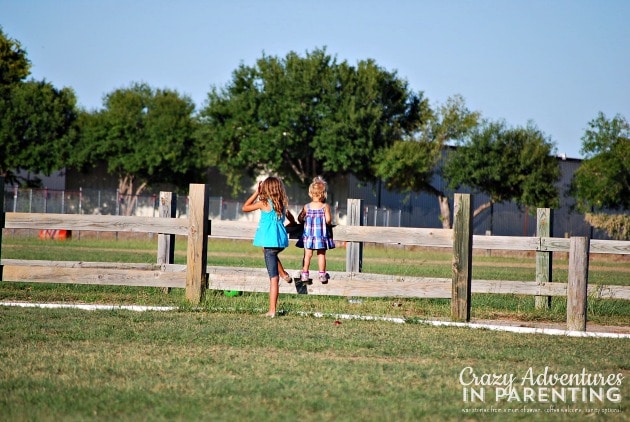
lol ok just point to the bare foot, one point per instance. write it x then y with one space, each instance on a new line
270 315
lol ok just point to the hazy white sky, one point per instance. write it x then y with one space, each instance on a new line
554 62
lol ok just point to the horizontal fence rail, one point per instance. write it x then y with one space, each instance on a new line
196 275
249 279
245 230
97 273
100 223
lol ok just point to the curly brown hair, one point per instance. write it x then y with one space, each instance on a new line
273 188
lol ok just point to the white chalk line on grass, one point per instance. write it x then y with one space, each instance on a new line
88 307
472 325
492 327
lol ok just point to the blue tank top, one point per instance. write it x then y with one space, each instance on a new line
271 232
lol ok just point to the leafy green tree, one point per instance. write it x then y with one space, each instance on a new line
14 64
304 116
34 127
411 165
508 164
145 136
603 179
36 119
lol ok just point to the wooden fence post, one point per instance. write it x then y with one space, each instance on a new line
354 250
544 218
578 283
166 242
198 229
462 257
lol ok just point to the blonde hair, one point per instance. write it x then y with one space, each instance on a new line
273 188
318 189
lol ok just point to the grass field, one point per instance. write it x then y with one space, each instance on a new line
223 361
65 364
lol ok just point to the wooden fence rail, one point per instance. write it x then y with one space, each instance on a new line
196 275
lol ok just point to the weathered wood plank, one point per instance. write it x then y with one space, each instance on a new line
560 244
618 247
544 219
516 243
166 242
354 250
97 276
87 264
106 223
395 235
256 280
577 285
392 235
340 284
429 237
197 251
375 285
531 288
554 244
609 292
233 229
462 257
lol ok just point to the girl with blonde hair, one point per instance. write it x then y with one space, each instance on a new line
316 217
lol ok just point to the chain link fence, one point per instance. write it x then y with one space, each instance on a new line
112 202
506 219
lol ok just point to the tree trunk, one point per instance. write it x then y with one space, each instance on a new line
445 211
482 208
445 208
129 197
125 186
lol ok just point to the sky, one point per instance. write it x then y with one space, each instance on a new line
554 63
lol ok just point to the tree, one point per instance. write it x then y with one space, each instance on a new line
14 65
410 165
508 164
603 179
34 127
36 119
617 226
146 136
299 117
602 182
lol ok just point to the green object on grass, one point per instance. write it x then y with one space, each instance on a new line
231 293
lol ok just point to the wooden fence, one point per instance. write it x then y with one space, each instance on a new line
196 276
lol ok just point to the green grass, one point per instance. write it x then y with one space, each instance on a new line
61 364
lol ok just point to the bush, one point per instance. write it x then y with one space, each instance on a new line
617 225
